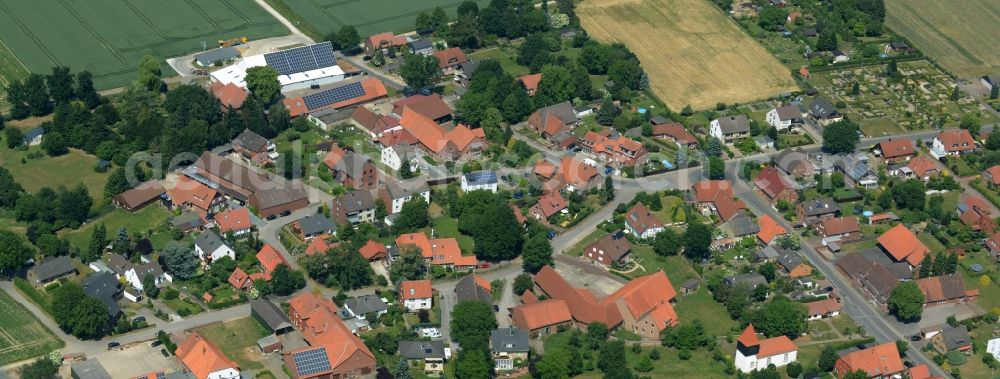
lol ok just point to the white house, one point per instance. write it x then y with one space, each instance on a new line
209 247
953 142
395 194
134 274
33 136
993 347
784 117
394 156
755 354
730 128
360 307
416 295
480 180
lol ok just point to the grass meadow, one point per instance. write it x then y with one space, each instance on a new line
955 33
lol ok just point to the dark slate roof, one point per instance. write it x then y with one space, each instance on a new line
270 314
250 140
104 286
220 54
854 165
658 120
789 112
421 349
821 108
741 225
53 268
33 132
89 369
790 159
420 44
734 124
789 260
955 338
470 67
691 284
208 241
151 268
366 304
399 190
481 177
187 220
881 282
564 111
509 340
467 289
315 223
820 206
355 201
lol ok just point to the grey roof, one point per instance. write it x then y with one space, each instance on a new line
187 220
208 241
53 268
315 223
562 136
657 120
734 124
356 201
880 281
790 159
821 108
34 132
481 177
789 260
151 268
854 165
89 369
104 286
238 180
467 289
789 112
955 338
399 190
820 206
119 264
752 280
509 340
470 67
421 349
763 140
220 54
691 284
420 44
268 340
353 164
564 111
270 314
279 195
768 252
250 140
741 225
365 304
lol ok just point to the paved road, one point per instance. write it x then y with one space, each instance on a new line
390 80
271 233
446 290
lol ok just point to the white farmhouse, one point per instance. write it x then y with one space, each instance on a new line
730 128
993 348
209 247
755 354
416 295
394 156
784 117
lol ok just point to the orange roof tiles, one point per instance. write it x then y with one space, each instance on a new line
748 337
441 251
650 293
416 289
921 371
296 106
450 57
840 225
431 106
230 95
530 82
482 282
768 347
190 192
822 307
902 245
239 279
576 173
373 250
528 298
386 39
895 148
942 288
309 304
921 166
270 258
373 88
395 137
462 136
202 357
957 140
545 168
319 245
676 131
995 174
428 132
323 327
881 360
769 229
719 193
550 203
541 314
233 220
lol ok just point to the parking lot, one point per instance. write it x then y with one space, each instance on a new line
136 359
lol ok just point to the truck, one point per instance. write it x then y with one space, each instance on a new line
233 41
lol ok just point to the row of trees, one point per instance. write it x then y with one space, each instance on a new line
37 94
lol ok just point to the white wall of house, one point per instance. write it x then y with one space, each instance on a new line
397 204
715 130
221 251
391 159
492 187
753 362
229 373
414 305
775 121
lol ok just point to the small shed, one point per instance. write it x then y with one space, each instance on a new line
269 344
89 369
221 54
690 286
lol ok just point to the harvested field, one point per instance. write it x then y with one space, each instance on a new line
955 33
693 53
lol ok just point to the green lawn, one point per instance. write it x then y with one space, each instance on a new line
989 293
932 243
238 340
701 364
701 306
178 304
677 268
586 241
672 211
22 336
506 61
445 227
148 220
67 170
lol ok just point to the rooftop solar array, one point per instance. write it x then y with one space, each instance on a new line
311 361
301 59
161 375
334 95
481 177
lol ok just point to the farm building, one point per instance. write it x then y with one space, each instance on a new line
298 68
139 197
52 269
216 56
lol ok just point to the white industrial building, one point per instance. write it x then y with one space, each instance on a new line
298 68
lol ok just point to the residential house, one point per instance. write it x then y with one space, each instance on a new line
333 352
923 168
430 106
992 176
242 281
548 205
364 305
430 354
613 148
194 196
542 318
230 95
751 280
608 251
209 247
438 251
952 339
383 41
270 315
396 155
793 265
553 119
812 212
420 46
775 186
977 214
993 244
247 186
715 197
530 82
474 287
104 287
374 251
269 259
953 142
989 81
354 207
880 361
352 169
376 125
753 353
313 225
205 360
235 221
729 129
142 195
396 193
826 308
450 60
51 269
784 117
945 289
824 112
571 175
846 228
253 148
33 136
676 132
902 245
895 150
461 142
769 229
134 274
416 294
856 170
320 246
509 347
794 162
479 180
740 226
642 223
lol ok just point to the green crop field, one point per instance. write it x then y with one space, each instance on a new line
954 33
368 16
109 37
22 336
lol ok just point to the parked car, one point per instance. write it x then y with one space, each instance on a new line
286 213
156 343
484 265
112 345
164 352
496 308
138 319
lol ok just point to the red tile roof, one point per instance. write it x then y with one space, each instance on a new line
768 347
319 245
296 106
902 245
541 314
549 204
895 148
771 182
386 38
528 297
416 289
719 193
640 219
373 250
769 229
233 220
239 279
621 149
450 57
229 94
433 136
840 225
431 106
676 131
545 168
395 137
190 192
270 258
822 307
322 327
881 360
957 140
921 165
530 82
576 173
749 337
995 174
441 251
203 357
942 288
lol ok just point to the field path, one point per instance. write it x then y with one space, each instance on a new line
295 31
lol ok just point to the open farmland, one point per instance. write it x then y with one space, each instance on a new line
691 51
960 35
22 336
109 37
368 16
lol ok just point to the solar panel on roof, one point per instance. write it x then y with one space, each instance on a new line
161 375
311 361
301 59
334 95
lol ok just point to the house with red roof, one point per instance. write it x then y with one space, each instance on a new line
230 95
269 260
374 251
570 175
547 206
753 353
530 82
352 169
945 289
554 119
826 308
236 221
383 41
431 106
642 223
775 186
953 142
846 228
715 197
769 229
676 132
450 60
992 176
614 148
342 354
438 251
895 150
923 168
976 214
880 361
189 194
318 245
205 360
541 318
993 244
459 142
375 124
903 246
416 294
609 250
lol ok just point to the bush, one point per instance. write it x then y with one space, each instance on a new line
684 354
793 369
170 294
955 358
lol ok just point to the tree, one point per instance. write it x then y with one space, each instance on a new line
994 91
626 73
697 239
10 190
713 147
473 364
85 89
910 194
423 21
840 137
553 365
493 127
490 221
609 189
901 347
14 137
468 8
537 253
51 246
409 266
668 242
418 71
608 112
378 59
54 144
90 318
348 38
780 316
177 258
36 95
771 17
402 370
149 286
955 94
262 82
522 283
906 301
827 358
968 122
769 270
60 84
611 356
192 102
716 168
439 20
556 86
827 40
859 374
793 369
149 73
41 368
597 334
412 216
285 282
471 324
14 252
